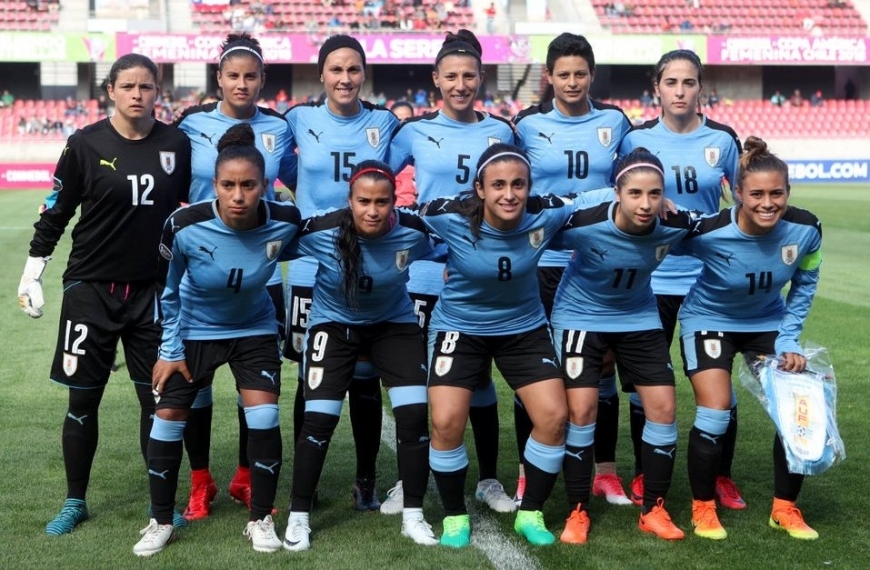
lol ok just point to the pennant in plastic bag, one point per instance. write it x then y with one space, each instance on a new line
803 409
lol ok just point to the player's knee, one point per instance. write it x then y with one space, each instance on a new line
412 423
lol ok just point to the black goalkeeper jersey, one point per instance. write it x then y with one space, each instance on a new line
127 189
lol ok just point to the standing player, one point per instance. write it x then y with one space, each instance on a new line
698 154
361 306
216 310
572 142
750 252
331 138
241 76
128 173
444 146
605 303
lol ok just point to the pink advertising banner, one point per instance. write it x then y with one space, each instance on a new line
27 175
303 48
785 50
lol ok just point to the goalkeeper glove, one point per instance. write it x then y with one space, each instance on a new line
30 296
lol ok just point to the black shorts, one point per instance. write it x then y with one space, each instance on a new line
706 350
94 316
669 308
299 298
254 360
464 360
548 281
423 306
642 357
397 350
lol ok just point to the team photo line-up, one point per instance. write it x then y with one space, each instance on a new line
420 253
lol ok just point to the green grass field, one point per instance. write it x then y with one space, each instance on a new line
32 484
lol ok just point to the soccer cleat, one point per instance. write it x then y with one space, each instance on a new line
530 525
73 513
637 490
521 490
576 527
297 537
457 531
728 494
262 535
364 496
658 522
240 486
395 501
786 516
202 492
415 527
154 538
609 486
491 492
706 522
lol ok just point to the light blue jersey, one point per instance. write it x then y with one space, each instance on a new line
382 294
492 282
216 278
570 154
694 165
206 124
740 287
606 287
445 152
331 145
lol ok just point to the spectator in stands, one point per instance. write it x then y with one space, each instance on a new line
334 23
713 99
777 99
851 92
686 26
6 100
646 99
22 125
281 103
816 99
490 18
796 99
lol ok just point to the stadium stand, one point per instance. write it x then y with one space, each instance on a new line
28 15
742 17
336 16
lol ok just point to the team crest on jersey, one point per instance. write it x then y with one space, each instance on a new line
167 161
662 251
536 238
789 253
443 364
315 376
574 367
605 136
402 259
373 135
297 342
70 363
713 347
273 248
712 154
165 252
492 140
268 142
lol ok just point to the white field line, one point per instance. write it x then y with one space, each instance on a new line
505 553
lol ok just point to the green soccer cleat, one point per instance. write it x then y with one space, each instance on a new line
457 531
530 525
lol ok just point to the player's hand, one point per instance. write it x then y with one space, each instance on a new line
668 207
163 370
792 362
30 297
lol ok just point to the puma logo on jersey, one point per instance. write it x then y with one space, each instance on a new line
269 468
549 138
548 361
315 135
109 164
437 143
207 137
269 376
472 241
727 258
204 249
600 253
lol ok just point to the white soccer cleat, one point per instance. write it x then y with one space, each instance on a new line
262 535
154 538
415 527
395 501
491 492
297 537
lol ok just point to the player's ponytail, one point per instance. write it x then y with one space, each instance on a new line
239 143
757 157
346 239
463 42
472 203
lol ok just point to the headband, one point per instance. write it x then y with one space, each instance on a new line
241 48
638 165
502 155
371 169
337 42
457 47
